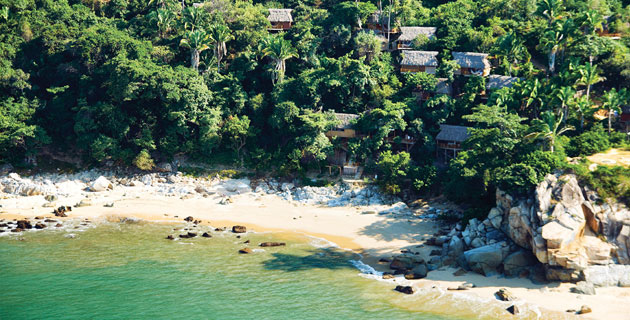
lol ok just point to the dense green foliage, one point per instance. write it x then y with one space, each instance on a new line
135 82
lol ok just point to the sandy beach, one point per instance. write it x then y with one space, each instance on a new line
372 235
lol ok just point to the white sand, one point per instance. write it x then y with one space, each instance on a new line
371 234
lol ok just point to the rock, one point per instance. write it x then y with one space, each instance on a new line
504 295
17 230
435 253
476 243
170 237
418 272
562 274
496 217
239 229
245 250
58 225
109 205
455 247
368 212
50 198
405 262
584 310
460 272
189 219
206 235
465 286
40 226
191 234
48 205
384 260
24 224
164 167
405 289
272 244
101 184
609 275
513 309
50 220
486 259
184 236
584 287
84 203
71 236
518 261
388 276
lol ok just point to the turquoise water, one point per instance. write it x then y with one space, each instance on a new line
129 271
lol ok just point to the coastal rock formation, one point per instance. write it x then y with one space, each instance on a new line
564 227
405 289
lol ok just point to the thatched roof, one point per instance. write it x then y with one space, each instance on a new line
472 60
411 33
420 58
345 120
496 81
452 133
280 15
443 86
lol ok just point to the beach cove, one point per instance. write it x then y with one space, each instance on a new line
369 235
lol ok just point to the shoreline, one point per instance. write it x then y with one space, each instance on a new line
373 236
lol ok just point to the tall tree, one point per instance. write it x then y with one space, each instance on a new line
550 10
220 34
279 50
548 129
197 41
613 100
589 75
164 20
550 41
512 49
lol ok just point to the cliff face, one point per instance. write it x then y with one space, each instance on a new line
565 228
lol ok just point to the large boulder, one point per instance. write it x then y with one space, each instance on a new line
101 184
406 262
418 272
609 275
486 259
517 262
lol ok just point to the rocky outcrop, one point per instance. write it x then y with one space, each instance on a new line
405 289
101 184
567 229
563 227
239 229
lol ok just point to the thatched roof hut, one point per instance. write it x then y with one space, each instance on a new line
496 81
345 120
452 133
472 60
420 58
280 15
411 33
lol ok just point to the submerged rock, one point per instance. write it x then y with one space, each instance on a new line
405 289
272 244
239 229
245 251
504 295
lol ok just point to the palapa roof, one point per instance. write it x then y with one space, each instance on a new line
496 81
420 58
443 86
280 15
452 133
472 60
411 33
345 120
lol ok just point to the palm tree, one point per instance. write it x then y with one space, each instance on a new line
548 129
512 48
550 9
219 35
592 22
582 104
565 95
162 3
279 50
4 13
589 75
163 19
198 41
613 100
192 17
551 41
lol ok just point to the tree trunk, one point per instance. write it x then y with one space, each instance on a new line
552 60
609 120
194 59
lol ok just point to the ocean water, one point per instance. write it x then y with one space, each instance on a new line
129 271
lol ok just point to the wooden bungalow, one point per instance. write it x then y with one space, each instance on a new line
280 19
472 63
419 61
496 82
409 34
605 31
449 141
343 131
442 87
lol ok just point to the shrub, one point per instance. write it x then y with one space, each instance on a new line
543 163
589 142
143 161
517 178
